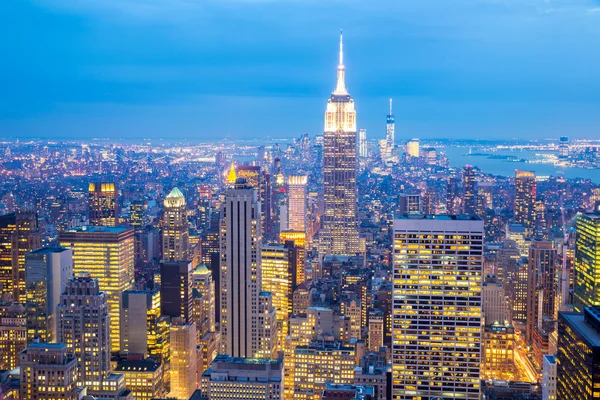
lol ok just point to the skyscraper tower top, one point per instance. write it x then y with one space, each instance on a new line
340 89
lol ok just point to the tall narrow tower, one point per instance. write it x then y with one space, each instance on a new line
390 129
175 239
242 322
339 232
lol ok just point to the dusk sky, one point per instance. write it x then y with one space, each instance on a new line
206 69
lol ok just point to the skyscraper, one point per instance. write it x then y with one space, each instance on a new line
586 288
144 332
436 335
390 140
578 355
106 253
241 282
103 204
542 285
183 359
18 235
363 144
278 278
84 327
297 203
47 271
470 176
175 240
13 334
525 194
260 180
176 289
339 231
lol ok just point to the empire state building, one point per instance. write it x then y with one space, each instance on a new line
339 229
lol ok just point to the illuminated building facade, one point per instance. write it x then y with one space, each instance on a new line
339 231
390 141
48 372
230 378
13 334
542 285
549 378
320 363
183 359
437 274
498 357
375 335
144 378
18 235
241 280
47 271
137 214
278 278
297 241
413 148
470 177
203 288
586 274
83 326
494 304
103 204
578 355
525 196
409 204
144 331
260 180
297 203
176 300
363 144
107 254
175 239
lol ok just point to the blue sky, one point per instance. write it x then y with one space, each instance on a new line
205 69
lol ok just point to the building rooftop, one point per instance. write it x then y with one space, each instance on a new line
137 366
49 249
585 327
459 217
99 229
175 193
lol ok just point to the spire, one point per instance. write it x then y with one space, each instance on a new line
391 107
340 88
231 177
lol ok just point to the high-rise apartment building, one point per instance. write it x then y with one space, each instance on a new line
103 208
586 287
297 203
578 355
183 359
525 196
48 372
47 271
176 289
542 285
241 279
83 326
436 335
339 231
107 254
470 177
18 235
175 240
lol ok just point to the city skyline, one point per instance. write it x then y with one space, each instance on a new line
158 69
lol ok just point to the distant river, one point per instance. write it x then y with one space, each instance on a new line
458 157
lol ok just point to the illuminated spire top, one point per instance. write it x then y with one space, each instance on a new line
391 113
231 177
340 88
